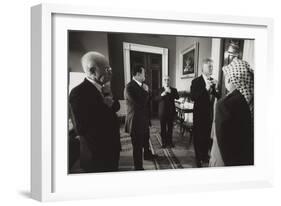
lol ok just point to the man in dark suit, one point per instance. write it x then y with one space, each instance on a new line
137 120
167 111
203 93
94 114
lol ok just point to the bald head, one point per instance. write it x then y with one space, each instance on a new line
166 81
96 67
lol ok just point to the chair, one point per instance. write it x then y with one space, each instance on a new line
122 111
185 119
187 126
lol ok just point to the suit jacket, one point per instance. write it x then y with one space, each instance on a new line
95 122
137 100
166 107
234 129
203 103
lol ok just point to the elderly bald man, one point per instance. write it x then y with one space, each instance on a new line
94 113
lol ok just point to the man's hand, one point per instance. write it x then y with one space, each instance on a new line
145 87
108 100
106 89
168 89
211 83
163 93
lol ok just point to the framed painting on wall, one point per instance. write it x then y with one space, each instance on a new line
189 61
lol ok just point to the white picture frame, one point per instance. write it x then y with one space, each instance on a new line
49 179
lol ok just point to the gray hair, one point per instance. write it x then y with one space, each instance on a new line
207 61
91 59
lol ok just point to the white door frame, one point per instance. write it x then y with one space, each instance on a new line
127 47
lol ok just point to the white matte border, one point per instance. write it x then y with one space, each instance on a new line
54 83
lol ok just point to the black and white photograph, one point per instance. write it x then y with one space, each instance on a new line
130 109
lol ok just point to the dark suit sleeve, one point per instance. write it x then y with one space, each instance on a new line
159 97
175 94
79 113
196 90
224 132
132 96
115 106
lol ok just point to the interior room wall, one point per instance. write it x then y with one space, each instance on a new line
81 42
205 47
111 45
115 43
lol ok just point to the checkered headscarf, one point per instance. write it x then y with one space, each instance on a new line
242 76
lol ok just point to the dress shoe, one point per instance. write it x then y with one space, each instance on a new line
202 163
170 145
198 163
138 169
205 163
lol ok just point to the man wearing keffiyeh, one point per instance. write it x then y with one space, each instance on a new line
234 114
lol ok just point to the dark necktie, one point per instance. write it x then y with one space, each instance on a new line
211 96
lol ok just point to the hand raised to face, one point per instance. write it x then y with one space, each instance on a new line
145 87
106 89
168 89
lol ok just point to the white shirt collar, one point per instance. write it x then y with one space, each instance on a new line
139 83
98 86
205 78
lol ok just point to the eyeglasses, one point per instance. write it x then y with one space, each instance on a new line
108 70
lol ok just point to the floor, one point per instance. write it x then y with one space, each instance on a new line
179 157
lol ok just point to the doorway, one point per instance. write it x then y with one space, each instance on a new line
153 74
155 59
225 60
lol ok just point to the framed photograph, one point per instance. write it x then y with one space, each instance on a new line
189 61
77 51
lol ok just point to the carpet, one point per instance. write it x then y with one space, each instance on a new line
179 157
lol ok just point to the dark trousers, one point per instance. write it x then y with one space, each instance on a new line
140 142
137 153
202 142
166 123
